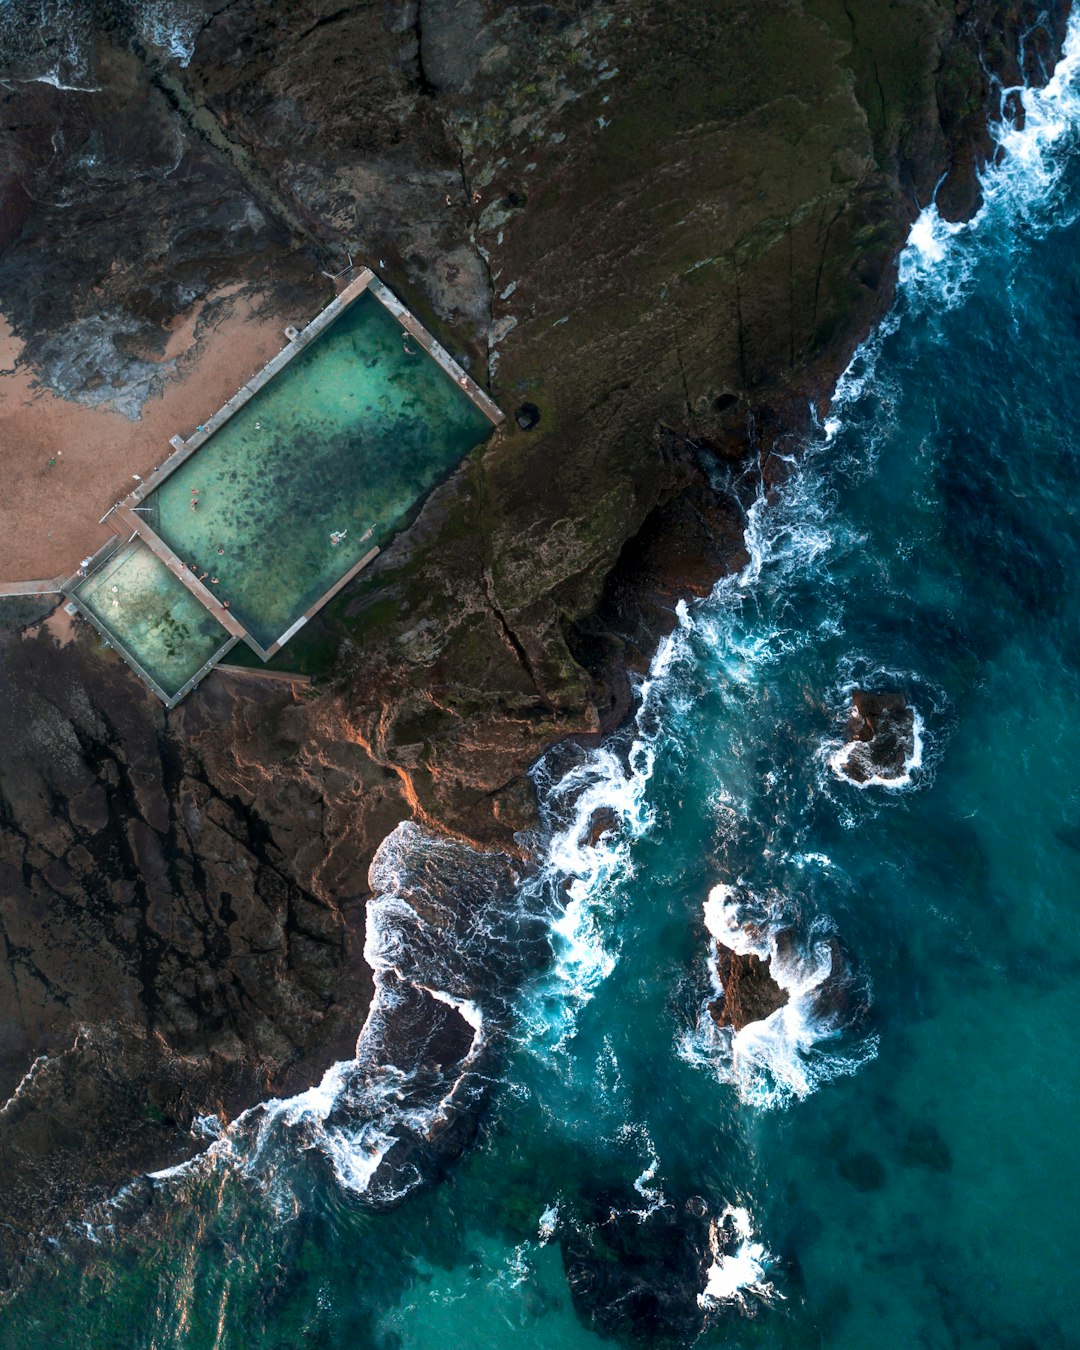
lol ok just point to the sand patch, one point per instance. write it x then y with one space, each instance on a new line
60 625
62 465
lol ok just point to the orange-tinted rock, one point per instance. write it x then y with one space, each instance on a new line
750 992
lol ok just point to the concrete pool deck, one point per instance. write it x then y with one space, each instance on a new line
127 518
52 586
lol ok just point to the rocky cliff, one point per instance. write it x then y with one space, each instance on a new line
658 228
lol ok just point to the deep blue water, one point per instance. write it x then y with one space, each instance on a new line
904 1175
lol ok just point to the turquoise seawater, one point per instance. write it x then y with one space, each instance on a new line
323 463
900 1172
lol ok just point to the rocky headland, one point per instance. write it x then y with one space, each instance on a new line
658 230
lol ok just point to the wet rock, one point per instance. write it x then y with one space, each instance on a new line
880 732
750 992
602 822
638 1277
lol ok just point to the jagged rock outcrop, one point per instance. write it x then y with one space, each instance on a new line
879 737
750 992
664 226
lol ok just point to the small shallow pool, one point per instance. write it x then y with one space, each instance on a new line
152 618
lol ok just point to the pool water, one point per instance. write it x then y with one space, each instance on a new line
340 445
151 615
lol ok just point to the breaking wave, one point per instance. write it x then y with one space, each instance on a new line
1035 137
737 1275
794 1050
448 934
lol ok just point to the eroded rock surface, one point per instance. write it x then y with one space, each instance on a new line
664 226
750 992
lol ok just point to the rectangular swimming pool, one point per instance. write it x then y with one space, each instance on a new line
323 463
152 618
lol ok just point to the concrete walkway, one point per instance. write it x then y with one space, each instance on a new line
53 586
180 570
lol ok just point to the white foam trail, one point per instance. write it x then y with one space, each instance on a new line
549 1222
652 1195
735 1275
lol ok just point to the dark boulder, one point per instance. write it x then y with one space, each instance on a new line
638 1277
880 736
602 822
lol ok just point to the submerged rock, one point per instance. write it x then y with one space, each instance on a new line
656 1276
638 1276
879 736
750 992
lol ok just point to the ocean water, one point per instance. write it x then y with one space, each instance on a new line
896 1168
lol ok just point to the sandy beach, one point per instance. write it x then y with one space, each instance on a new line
62 465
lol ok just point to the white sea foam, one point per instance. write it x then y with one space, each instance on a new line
841 757
739 1275
1019 187
785 1056
652 1195
548 1224
611 787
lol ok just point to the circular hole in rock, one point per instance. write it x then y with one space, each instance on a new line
527 416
